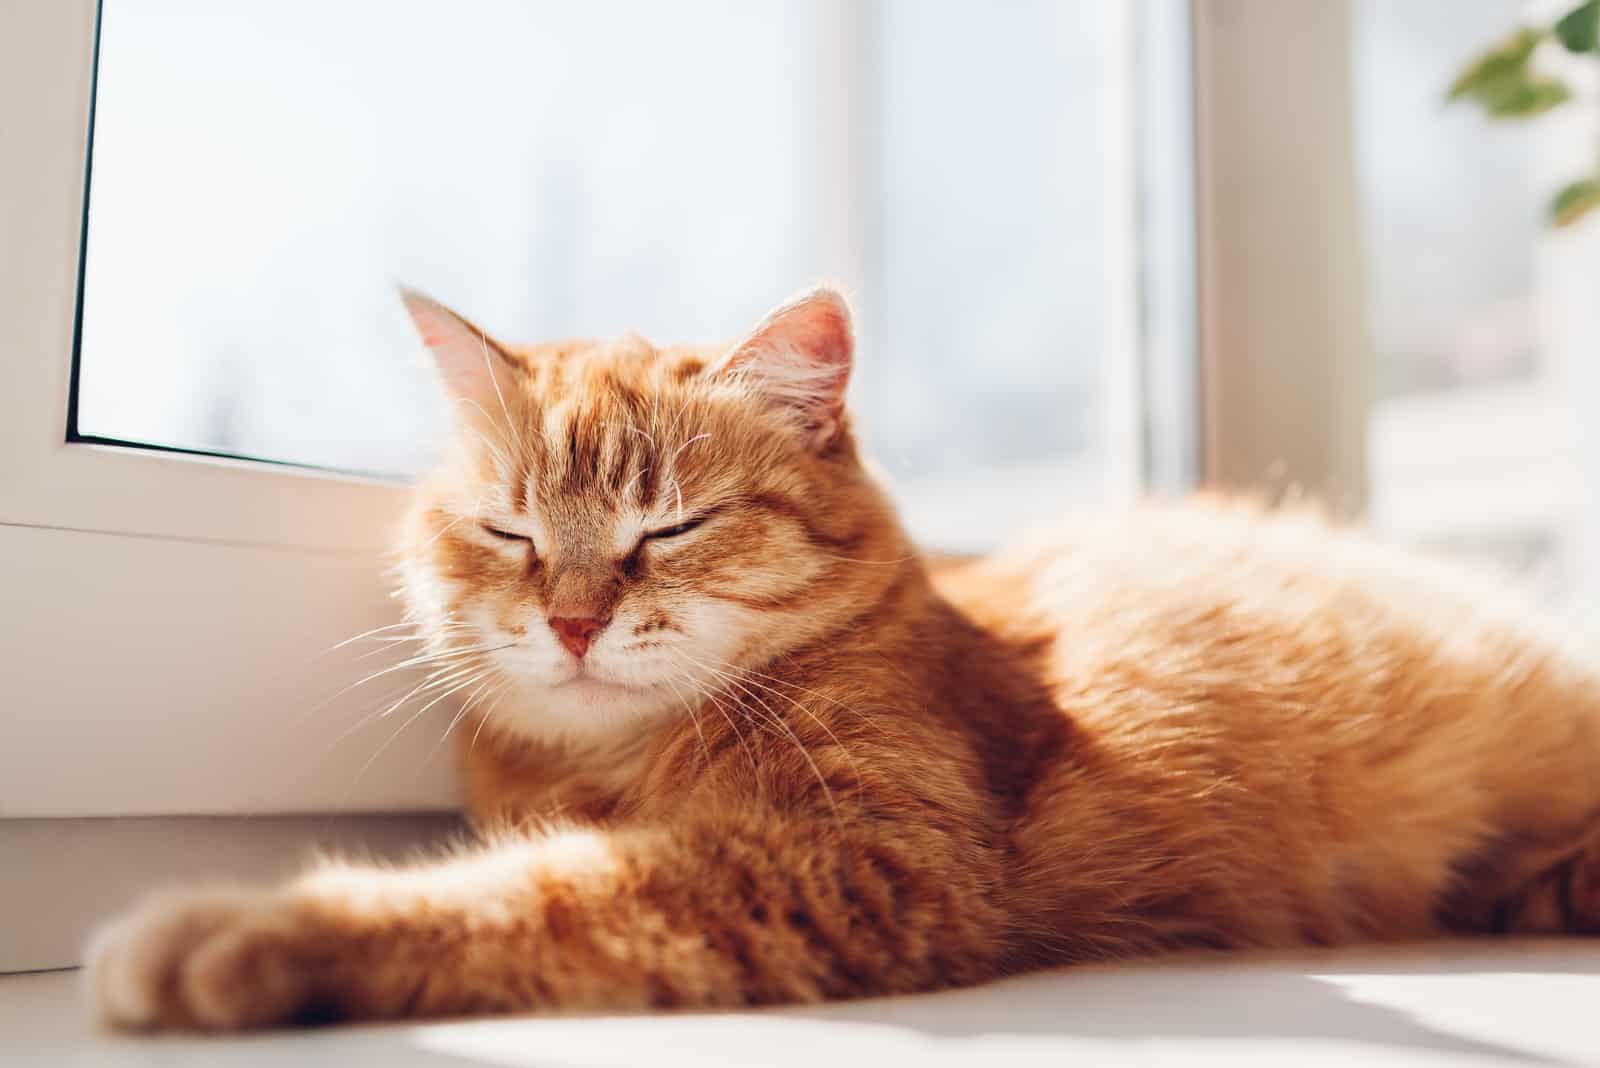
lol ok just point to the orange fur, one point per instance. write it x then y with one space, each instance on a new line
801 762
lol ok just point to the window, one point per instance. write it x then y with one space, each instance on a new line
258 188
1484 322
248 396
192 514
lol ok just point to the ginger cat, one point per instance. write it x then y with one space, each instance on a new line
745 746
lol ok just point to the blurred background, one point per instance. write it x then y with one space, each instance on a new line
1007 190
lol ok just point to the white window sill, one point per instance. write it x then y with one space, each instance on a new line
1482 1002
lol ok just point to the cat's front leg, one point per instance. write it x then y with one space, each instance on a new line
467 934
213 958
707 913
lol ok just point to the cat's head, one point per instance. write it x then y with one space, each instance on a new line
621 528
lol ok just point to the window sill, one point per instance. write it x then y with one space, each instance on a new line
1487 1002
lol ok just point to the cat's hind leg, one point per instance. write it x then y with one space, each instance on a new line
1528 886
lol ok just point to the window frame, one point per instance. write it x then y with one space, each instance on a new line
105 510
201 530
46 478
238 516
1285 357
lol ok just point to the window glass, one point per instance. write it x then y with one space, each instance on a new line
1484 318
264 171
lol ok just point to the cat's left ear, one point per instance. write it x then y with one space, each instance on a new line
799 360
473 365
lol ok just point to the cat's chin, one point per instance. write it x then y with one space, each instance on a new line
589 686
582 709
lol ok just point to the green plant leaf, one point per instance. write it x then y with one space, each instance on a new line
1507 59
1525 98
1575 200
1501 82
1579 29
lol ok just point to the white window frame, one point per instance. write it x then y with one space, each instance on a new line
47 77
103 546
1286 370
100 544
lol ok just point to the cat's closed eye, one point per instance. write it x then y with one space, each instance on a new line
675 530
504 535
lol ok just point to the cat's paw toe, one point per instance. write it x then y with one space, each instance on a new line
211 960
260 972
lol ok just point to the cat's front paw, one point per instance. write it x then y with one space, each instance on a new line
215 960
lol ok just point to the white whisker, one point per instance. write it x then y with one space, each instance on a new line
401 729
685 445
779 722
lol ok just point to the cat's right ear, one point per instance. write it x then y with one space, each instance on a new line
473 365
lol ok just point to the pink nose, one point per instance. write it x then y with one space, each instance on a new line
576 634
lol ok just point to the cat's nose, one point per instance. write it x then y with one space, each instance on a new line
576 633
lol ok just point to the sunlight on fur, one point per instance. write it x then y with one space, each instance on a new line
730 740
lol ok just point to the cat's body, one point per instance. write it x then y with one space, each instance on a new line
753 748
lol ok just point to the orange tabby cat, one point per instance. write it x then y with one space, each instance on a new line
746 748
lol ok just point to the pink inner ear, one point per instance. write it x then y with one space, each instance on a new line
818 327
800 356
468 360
430 332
